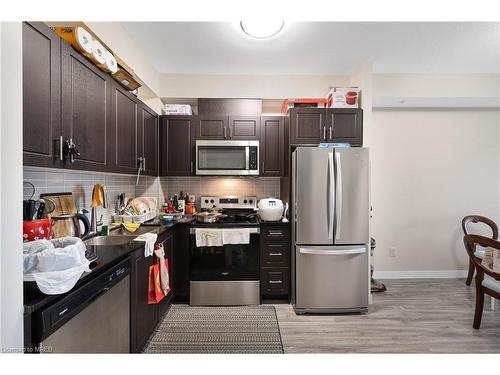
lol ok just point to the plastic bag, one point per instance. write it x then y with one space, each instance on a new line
55 265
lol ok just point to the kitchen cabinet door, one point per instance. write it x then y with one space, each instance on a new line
86 110
212 128
271 145
244 128
308 126
124 152
181 252
345 125
41 95
177 145
149 131
168 246
144 317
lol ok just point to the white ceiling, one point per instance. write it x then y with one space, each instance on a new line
320 48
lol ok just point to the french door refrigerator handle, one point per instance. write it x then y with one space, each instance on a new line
360 250
330 195
338 195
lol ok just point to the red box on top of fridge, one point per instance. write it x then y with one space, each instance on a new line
343 97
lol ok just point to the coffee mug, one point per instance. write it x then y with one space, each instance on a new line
37 230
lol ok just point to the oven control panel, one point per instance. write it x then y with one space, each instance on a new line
228 202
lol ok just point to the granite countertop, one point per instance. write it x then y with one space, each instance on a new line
107 256
275 223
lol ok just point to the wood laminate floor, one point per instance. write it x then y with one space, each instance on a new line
412 316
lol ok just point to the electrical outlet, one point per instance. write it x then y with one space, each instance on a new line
392 252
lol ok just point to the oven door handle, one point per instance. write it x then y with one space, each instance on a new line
253 230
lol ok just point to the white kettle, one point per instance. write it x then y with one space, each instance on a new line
270 209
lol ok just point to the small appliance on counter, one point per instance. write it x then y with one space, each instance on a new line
270 209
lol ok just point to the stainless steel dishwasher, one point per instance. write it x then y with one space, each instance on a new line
95 318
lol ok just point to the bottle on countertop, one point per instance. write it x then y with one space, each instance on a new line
176 203
181 203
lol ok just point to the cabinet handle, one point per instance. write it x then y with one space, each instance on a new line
331 132
225 132
230 133
275 282
275 254
191 166
61 148
143 163
324 133
263 169
271 233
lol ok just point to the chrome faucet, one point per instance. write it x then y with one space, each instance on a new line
98 199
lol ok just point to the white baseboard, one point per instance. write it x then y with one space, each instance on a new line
449 274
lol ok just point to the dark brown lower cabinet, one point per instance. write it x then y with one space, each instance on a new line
275 262
181 257
145 317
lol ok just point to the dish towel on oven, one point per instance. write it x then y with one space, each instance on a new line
236 236
208 237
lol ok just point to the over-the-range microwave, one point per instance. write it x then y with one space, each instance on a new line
227 158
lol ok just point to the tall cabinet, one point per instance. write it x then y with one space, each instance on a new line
41 95
76 116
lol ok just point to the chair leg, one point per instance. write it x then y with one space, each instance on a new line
470 275
478 314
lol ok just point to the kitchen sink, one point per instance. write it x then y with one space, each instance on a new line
108 241
121 231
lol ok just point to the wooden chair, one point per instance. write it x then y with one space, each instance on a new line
487 281
479 253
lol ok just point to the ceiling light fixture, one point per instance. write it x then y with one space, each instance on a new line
262 29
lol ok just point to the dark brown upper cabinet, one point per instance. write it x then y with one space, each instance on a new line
316 125
177 145
86 110
307 125
149 140
125 109
271 146
41 95
244 128
212 127
345 125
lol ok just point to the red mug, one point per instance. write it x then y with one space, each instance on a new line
37 230
351 97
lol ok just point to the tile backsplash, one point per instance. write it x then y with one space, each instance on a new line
80 183
261 187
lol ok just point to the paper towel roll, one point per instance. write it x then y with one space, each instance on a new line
99 53
84 40
111 63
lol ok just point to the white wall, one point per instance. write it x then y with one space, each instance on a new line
248 86
11 271
427 85
429 169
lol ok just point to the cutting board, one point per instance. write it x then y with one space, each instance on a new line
64 202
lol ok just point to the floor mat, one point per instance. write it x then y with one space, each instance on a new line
221 329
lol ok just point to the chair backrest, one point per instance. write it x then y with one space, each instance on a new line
470 242
480 219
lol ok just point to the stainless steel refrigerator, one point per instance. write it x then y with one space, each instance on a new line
330 229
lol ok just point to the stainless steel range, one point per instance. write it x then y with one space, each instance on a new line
224 266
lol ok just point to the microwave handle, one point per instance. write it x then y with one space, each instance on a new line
247 158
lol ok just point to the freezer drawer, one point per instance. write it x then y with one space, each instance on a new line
331 278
